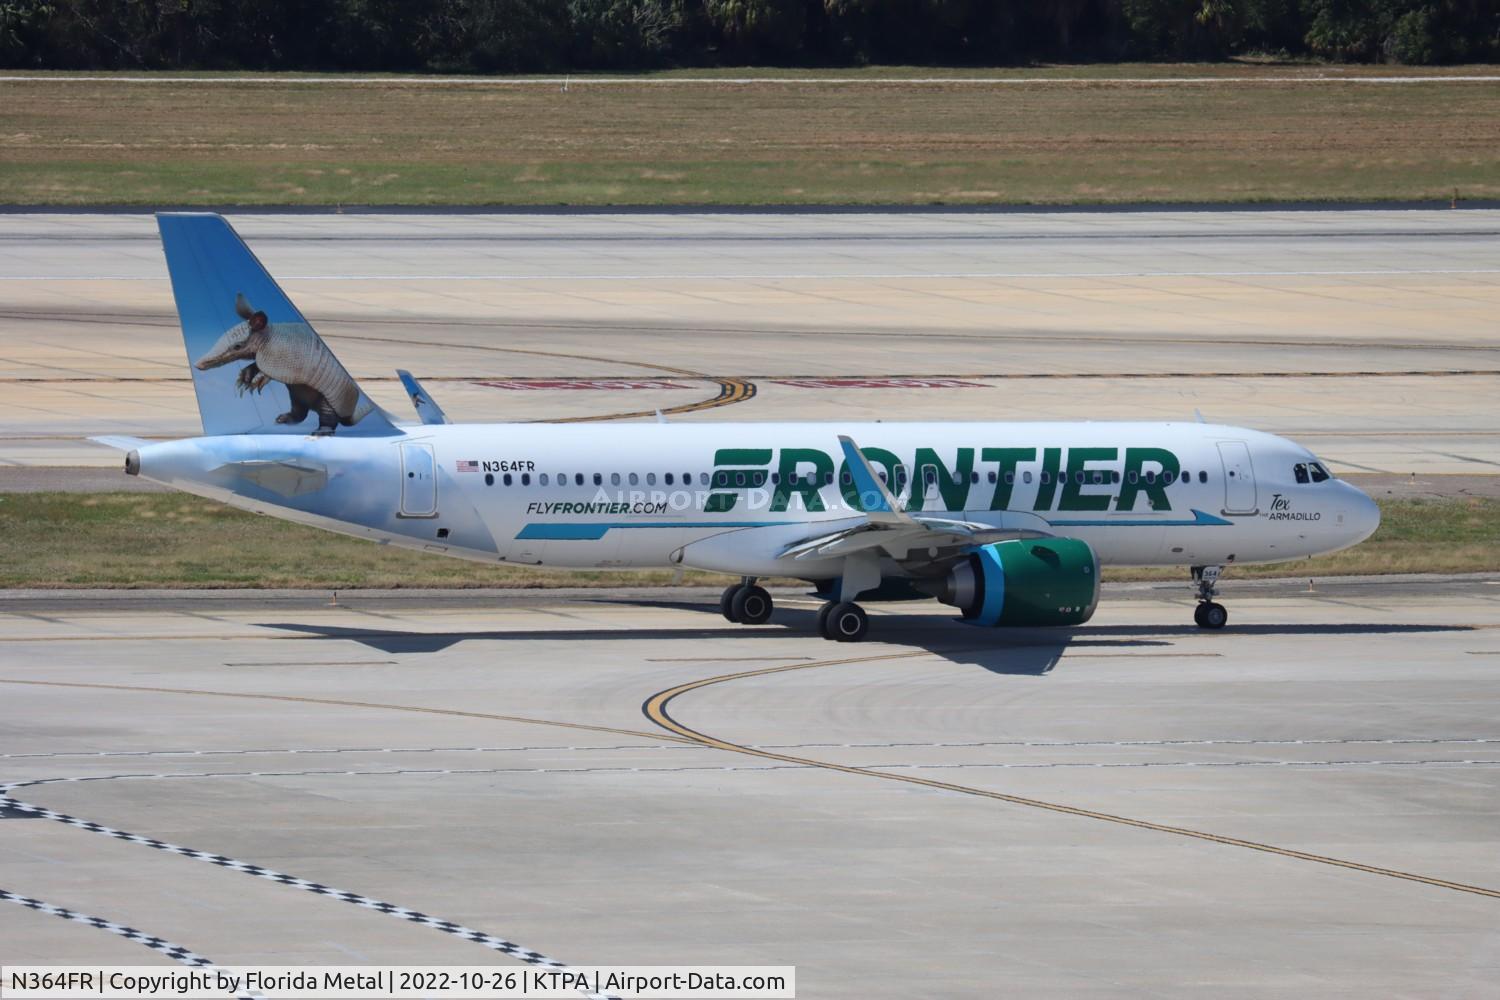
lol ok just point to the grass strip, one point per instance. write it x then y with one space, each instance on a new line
134 540
82 141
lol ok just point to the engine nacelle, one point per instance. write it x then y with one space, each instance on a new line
1053 581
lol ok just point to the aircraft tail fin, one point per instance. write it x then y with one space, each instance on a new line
258 366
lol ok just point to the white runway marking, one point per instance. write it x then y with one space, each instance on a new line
175 952
1124 744
743 81
799 275
489 941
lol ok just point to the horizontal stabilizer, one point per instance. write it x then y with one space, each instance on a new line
287 479
120 442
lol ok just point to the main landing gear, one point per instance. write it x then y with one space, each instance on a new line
1209 613
843 621
746 604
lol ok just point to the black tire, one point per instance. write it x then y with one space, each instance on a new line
1214 616
823 618
726 601
751 606
1198 616
846 622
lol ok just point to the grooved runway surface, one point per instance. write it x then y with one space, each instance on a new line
1306 804
1366 335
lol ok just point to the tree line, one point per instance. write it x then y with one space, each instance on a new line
519 36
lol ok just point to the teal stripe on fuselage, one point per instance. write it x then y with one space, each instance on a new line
1199 518
594 532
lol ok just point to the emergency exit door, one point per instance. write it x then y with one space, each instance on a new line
1239 478
418 481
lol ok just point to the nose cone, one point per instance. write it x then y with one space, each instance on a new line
1361 517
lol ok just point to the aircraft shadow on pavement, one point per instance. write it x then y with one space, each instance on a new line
1000 651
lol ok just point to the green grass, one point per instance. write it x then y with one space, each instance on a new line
80 141
63 540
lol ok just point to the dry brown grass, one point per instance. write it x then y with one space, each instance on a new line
1100 141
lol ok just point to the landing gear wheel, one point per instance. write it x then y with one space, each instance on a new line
845 622
1211 616
751 606
823 618
726 601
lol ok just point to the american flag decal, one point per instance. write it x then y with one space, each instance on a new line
467 466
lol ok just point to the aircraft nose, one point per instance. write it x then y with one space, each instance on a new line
1362 516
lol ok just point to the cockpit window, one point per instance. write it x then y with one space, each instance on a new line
1299 471
1319 474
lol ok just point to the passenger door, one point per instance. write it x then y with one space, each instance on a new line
1239 478
418 481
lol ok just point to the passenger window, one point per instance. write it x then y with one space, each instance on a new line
1168 478
542 479
1202 476
614 479
1046 477
703 478
827 479
973 477
525 479
667 479
1151 476
489 479
650 479
577 479
687 479
1098 477
992 477
1010 478
635 480
507 479
1299 472
598 479
1133 477
1319 474
846 478
739 479
1026 476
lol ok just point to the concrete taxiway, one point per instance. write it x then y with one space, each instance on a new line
1367 335
1306 805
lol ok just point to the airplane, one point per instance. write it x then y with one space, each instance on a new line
1009 523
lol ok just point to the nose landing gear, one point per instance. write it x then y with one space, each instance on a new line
1209 614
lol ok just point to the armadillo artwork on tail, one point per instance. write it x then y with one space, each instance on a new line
258 366
294 355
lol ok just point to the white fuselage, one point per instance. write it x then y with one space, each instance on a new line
732 497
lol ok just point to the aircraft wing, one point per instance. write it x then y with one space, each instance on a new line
895 532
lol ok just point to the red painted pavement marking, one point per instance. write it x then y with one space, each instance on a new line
583 383
878 383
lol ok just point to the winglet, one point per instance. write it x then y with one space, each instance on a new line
427 410
880 506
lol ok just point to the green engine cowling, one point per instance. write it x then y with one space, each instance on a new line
1052 581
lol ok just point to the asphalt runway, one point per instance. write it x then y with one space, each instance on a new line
1367 335
1305 805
